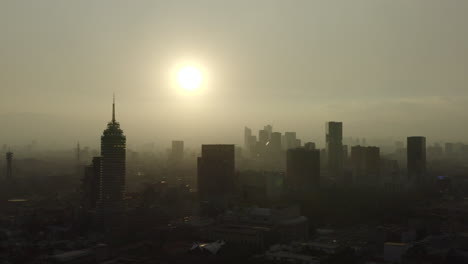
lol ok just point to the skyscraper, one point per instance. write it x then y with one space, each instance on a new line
111 197
290 140
275 142
334 142
269 130
302 170
216 174
177 152
263 137
247 138
365 163
416 159
90 184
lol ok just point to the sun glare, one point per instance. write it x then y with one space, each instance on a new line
189 77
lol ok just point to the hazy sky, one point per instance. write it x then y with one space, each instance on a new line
384 68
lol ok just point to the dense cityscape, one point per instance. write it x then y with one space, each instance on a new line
275 199
242 131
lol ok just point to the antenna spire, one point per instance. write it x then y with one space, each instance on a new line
113 108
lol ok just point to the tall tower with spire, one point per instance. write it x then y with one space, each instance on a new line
112 180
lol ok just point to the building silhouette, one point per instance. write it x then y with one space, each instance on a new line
112 187
263 137
275 142
309 145
416 159
269 130
334 146
290 140
247 138
216 175
302 171
9 165
91 184
365 164
177 151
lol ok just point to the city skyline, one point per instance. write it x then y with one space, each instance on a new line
365 63
247 131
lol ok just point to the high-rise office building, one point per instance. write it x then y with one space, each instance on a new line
365 163
263 137
416 159
9 165
269 130
177 151
275 142
216 174
247 138
334 144
91 184
302 170
111 197
290 140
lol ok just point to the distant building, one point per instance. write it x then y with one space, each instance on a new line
416 159
216 174
269 130
275 142
290 140
309 145
302 170
247 138
177 152
91 184
365 164
263 137
113 141
334 144
298 143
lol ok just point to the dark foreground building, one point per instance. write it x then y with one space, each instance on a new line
416 159
365 164
91 185
216 175
302 170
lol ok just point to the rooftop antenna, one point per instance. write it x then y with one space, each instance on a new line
113 108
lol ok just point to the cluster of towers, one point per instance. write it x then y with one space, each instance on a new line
104 181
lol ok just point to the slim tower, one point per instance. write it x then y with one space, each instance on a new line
334 140
112 187
416 159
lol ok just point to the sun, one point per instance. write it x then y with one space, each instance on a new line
189 77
